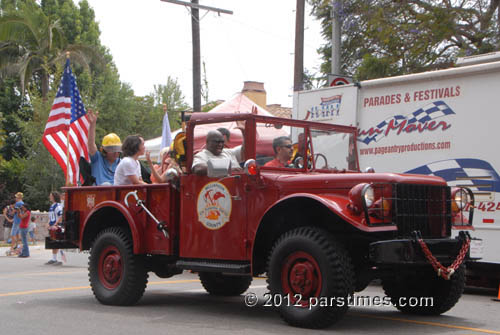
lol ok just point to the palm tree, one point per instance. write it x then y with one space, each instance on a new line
31 44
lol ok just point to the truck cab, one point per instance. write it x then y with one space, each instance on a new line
317 226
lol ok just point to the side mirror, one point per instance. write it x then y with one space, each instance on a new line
217 168
251 168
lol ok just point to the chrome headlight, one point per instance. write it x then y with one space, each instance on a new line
461 198
369 195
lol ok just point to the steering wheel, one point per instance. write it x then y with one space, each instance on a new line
298 162
316 158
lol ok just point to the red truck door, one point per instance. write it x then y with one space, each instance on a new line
213 221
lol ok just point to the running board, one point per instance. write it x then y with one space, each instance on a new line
213 266
59 244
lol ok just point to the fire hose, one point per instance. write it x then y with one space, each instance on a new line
160 225
442 271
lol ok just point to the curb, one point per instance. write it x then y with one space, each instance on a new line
3 250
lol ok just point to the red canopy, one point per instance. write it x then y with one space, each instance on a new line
239 103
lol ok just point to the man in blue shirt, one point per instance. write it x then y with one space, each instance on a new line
17 220
103 164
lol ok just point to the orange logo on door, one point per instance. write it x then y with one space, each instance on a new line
214 205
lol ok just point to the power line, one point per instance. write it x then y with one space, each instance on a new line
195 24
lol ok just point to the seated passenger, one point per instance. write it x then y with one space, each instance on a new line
160 174
214 149
102 164
128 170
283 149
225 132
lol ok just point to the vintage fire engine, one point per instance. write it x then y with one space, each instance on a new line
318 228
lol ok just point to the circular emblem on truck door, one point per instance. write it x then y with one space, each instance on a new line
214 205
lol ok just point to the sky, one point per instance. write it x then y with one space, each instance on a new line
151 40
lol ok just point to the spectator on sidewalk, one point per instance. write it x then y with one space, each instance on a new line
55 220
8 215
25 215
32 230
15 224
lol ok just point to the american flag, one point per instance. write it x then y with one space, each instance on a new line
432 111
67 115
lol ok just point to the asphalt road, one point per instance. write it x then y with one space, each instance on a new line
45 299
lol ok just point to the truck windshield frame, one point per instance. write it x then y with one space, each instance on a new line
335 143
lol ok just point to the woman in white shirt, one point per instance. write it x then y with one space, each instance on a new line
129 169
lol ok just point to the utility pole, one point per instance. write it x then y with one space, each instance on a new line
195 26
298 75
336 24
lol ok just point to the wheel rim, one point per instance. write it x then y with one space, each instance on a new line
110 267
301 278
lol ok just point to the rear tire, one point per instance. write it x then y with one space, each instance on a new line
117 276
306 264
223 285
403 289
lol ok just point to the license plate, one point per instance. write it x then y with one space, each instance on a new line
476 248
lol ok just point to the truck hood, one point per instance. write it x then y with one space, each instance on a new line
348 180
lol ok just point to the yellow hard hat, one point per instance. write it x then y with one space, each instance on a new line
112 143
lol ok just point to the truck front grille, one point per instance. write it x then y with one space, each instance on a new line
422 207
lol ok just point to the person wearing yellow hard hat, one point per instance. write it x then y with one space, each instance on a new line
103 163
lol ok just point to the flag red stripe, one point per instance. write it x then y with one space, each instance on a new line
52 130
62 155
61 105
78 148
78 127
67 141
53 151
57 117
74 161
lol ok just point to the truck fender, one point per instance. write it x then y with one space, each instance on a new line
336 204
267 233
124 212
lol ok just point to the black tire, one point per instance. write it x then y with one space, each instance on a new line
310 262
117 276
219 284
425 284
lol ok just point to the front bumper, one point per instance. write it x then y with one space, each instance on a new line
408 251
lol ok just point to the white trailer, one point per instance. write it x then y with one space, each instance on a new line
442 123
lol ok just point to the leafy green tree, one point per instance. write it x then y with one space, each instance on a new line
25 164
312 80
171 95
33 43
14 112
40 172
386 37
204 86
10 181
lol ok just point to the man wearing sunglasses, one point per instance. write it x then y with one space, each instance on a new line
214 149
283 149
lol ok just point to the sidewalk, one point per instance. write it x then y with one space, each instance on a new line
38 246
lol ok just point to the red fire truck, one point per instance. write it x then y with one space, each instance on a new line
318 228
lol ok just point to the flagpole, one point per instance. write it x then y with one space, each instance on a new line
68 183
